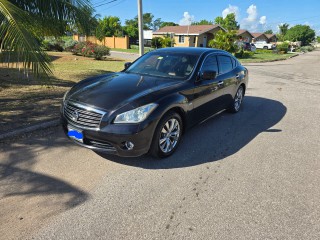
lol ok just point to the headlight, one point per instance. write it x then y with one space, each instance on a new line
136 115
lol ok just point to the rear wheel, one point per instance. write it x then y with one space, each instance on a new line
167 135
237 101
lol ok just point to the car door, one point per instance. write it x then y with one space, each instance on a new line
227 71
207 93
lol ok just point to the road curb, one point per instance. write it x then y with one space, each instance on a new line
32 128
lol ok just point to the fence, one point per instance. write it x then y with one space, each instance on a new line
111 42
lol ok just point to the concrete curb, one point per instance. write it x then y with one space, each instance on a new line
32 128
128 53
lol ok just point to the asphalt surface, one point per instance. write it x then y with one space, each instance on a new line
252 175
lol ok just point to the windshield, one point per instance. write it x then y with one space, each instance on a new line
165 64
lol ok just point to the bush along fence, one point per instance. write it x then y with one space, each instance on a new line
111 42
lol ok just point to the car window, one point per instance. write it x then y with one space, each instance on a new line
165 64
225 64
210 64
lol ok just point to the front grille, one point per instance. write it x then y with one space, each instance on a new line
82 116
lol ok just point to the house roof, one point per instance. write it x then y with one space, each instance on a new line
187 30
256 35
270 35
241 31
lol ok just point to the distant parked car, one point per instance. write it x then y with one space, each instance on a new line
147 106
246 46
253 47
264 45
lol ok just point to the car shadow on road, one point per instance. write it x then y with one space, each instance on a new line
218 137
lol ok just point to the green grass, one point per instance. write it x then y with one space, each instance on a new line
34 100
266 57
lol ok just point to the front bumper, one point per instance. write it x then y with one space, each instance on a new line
111 138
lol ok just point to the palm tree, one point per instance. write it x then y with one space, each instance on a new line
24 22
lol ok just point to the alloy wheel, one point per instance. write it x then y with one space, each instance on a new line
169 135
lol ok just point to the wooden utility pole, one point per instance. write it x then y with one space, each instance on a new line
140 23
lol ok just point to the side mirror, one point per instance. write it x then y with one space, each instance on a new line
208 75
127 65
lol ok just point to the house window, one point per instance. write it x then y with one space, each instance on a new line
181 39
194 39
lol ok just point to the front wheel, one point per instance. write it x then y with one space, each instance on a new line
167 135
237 101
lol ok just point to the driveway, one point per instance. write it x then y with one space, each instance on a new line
253 175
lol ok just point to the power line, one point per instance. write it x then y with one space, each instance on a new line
102 4
114 5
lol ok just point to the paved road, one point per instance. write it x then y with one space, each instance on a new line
126 56
253 175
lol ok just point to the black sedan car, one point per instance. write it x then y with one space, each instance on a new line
147 107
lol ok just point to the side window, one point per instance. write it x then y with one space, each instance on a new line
234 63
210 64
225 64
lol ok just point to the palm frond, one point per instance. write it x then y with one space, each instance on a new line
18 41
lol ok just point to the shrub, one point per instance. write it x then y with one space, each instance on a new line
85 49
283 47
307 48
52 44
69 44
243 54
156 42
134 46
100 52
167 42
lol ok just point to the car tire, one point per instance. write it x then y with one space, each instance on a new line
265 48
167 135
237 100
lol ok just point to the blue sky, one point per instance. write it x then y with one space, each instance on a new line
257 15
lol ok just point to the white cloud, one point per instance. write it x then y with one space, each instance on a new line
252 22
263 20
231 9
187 19
252 13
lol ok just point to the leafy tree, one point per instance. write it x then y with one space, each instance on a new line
92 23
202 22
132 26
225 41
229 22
108 27
147 21
318 39
157 24
164 24
283 28
23 23
219 20
301 33
269 31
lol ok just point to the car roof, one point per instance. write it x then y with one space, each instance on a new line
191 50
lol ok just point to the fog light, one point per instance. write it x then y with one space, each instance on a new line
129 145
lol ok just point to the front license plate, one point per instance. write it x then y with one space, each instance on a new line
75 134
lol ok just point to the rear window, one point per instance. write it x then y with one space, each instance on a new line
225 64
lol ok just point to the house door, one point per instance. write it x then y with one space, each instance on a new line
205 41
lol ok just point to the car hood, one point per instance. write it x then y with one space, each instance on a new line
115 90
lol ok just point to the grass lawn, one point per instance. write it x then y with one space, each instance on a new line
25 101
267 57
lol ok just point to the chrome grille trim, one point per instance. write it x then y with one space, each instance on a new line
88 117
